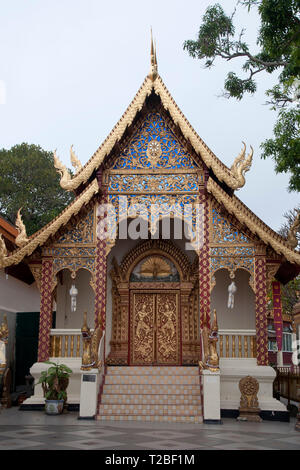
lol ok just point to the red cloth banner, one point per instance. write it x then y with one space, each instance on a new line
277 308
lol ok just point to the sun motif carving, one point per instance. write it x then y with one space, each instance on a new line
155 267
154 151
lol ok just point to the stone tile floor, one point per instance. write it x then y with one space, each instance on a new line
34 430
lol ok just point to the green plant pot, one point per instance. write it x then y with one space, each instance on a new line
54 407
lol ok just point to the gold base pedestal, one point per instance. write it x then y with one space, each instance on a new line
249 415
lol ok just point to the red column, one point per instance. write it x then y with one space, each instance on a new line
277 313
45 311
204 274
261 311
101 267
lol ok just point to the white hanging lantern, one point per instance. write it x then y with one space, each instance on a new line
73 293
231 291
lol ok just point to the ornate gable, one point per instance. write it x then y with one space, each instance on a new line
154 146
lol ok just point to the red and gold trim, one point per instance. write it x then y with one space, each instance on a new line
100 275
261 311
277 308
204 274
45 311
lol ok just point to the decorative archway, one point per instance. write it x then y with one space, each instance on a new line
155 319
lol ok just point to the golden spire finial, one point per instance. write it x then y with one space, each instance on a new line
153 59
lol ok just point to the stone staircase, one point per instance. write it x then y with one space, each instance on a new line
170 394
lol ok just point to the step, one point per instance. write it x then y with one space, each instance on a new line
156 410
152 370
152 379
163 399
169 419
148 389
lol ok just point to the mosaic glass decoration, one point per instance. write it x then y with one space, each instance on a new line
154 146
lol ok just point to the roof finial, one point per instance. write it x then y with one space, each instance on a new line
153 68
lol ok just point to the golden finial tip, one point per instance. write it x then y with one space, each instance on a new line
153 60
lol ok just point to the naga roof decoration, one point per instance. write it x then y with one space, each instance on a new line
254 223
39 238
21 238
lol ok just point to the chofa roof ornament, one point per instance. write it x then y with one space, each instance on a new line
65 176
239 167
75 160
21 238
292 235
3 249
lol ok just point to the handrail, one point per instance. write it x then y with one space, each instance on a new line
238 332
101 350
65 331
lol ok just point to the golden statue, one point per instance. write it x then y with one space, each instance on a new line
91 343
4 330
210 338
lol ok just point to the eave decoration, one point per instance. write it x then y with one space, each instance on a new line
21 238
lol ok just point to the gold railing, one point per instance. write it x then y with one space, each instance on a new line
237 343
65 343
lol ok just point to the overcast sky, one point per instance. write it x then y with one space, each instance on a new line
69 69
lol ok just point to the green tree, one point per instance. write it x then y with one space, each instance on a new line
28 180
291 289
279 53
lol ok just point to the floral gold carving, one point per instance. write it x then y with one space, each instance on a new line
234 206
155 267
155 328
249 408
40 237
143 331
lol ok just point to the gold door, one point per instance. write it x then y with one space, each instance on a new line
155 331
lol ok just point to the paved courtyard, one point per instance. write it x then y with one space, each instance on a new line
35 430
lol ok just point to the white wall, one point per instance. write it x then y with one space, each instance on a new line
17 296
85 301
242 316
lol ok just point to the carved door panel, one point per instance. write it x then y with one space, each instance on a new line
155 332
142 328
167 329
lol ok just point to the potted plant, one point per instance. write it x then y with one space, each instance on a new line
54 383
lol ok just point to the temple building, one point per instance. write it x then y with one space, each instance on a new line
168 264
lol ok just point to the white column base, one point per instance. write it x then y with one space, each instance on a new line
211 395
279 359
233 370
73 390
90 381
